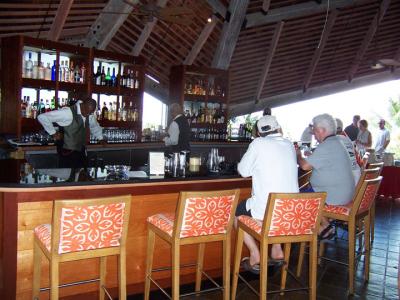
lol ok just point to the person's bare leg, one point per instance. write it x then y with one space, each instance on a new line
276 251
324 223
252 245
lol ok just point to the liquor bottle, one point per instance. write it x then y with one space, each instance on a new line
121 78
124 113
35 70
42 108
61 71
23 107
29 66
104 111
132 80
71 72
53 72
34 111
41 71
108 78
113 78
135 115
47 106
112 112
77 74
137 80
82 79
66 72
47 72
98 75
53 103
28 113
103 77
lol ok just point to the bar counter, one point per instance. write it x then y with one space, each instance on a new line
26 203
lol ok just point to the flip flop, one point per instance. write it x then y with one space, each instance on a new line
276 262
245 264
327 234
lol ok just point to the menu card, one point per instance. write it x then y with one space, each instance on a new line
156 163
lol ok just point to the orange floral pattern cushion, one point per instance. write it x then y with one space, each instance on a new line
91 227
338 209
368 197
294 216
43 233
253 224
165 222
206 215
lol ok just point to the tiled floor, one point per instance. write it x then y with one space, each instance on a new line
332 278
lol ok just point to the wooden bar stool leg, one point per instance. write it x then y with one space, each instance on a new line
263 269
149 262
285 266
352 248
37 267
367 222
236 263
360 225
103 273
199 266
175 269
226 266
313 269
301 258
54 278
372 221
122 273
321 251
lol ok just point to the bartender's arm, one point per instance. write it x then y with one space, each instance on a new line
95 129
173 134
62 117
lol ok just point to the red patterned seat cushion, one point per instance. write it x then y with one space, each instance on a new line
338 209
165 222
43 233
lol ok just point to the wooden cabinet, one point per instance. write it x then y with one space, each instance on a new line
204 96
62 74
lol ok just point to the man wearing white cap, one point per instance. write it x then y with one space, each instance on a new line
271 162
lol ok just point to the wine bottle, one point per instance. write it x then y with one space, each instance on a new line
104 112
98 75
108 78
103 77
53 72
113 78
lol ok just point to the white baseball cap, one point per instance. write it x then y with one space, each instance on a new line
267 124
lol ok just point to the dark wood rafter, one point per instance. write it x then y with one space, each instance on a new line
59 20
268 60
230 34
148 28
297 11
368 38
217 7
108 23
205 33
320 48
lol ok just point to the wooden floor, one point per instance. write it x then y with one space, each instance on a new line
332 278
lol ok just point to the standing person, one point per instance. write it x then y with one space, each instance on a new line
178 137
331 167
306 136
364 137
271 162
76 121
383 139
352 129
347 143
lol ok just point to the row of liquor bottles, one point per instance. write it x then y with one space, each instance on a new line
67 72
200 113
202 87
128 78
33 109
128 113
209 134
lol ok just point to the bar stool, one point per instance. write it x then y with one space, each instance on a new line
83 229
200 217
357 215
373 166
289 218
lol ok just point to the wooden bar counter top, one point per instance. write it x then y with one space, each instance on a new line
24 205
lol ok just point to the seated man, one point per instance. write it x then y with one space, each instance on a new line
331 167
271 161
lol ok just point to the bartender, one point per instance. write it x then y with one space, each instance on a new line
178 136
75 123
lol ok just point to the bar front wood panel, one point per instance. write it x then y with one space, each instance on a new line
34 207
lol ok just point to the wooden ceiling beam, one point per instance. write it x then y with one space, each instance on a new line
368 38
217 7
230 34
59 20
148 28
268 59
205 33
107 24
320 48
297 11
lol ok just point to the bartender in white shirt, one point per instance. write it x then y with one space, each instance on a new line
72 138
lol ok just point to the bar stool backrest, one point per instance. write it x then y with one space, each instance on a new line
366 196
293 214
205 213
366 174
89 224
377 165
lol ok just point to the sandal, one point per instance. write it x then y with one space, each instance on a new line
276 262
328 233
245 264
